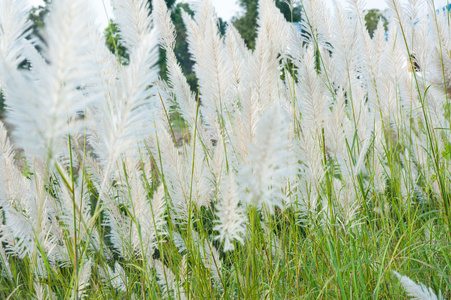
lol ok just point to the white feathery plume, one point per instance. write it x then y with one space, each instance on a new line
241 57
294 49
267 166
238 54
359 112
184 97
347 48
417 291
14 187
379 173
116 278
120 232
357 7
197 180
379 53
37 63
232 218
14 29
272 26
210 257
134 21
218 163
125 119
315 29
359 166
176 176
196 28
387 104
185 185
135 233
163 24
66 211
347 201
212 68
245 126
378 60
42 113
168 281
264 64
310 163
338 128
313 101
119 278
415 12
329 73
439 70
397 12
83 280
18 232
179 242
408 92
23 228
41 293
148 215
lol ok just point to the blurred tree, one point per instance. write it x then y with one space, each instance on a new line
37 16
372 18
246 24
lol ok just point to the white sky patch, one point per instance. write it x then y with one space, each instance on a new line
225 9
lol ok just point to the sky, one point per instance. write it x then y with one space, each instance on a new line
225 9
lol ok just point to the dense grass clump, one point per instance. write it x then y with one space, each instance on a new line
316 166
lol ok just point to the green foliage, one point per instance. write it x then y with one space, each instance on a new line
114 44
246 24
372 18
37 18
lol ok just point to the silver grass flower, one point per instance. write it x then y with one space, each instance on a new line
267 166
14 30
44 112
168 281
232 217
417 291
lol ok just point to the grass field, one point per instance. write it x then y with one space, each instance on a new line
316 166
